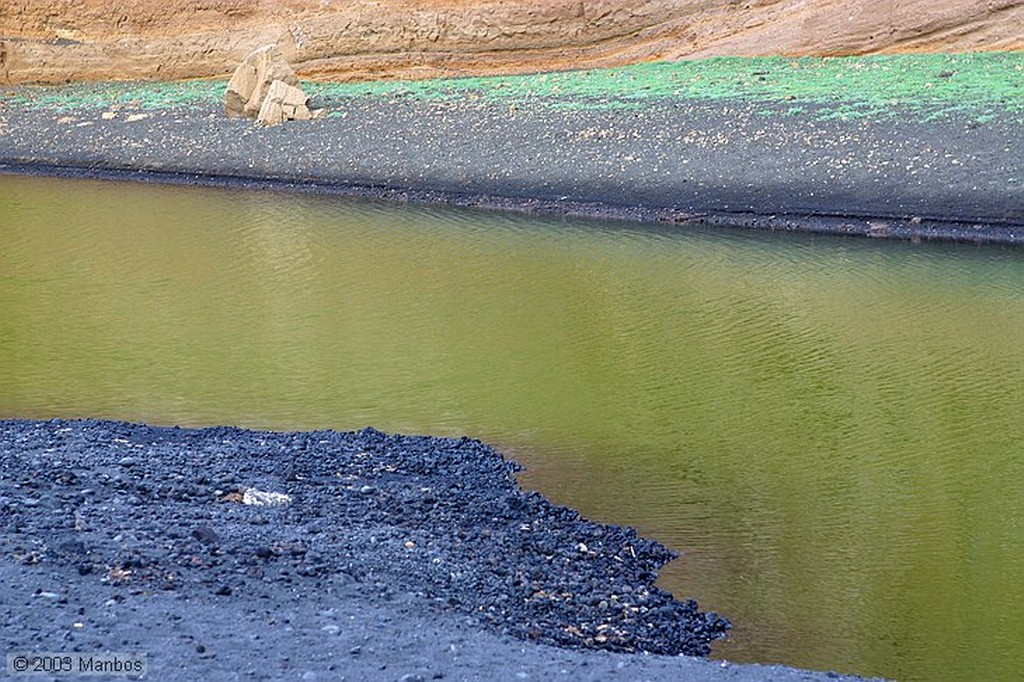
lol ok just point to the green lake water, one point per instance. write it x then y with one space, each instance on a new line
830 430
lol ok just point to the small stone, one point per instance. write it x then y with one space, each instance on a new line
127 461
81 525
412 677
206 535
331 629
263 498
367 490
108 115
223 591
136 117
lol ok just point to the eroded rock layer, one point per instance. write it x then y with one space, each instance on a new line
55 41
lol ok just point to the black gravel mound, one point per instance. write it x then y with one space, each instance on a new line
155 509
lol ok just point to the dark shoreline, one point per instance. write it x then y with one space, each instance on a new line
678 162
843 225
395 556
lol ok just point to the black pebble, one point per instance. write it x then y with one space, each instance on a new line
206 535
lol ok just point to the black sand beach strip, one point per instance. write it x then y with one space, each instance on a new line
678 161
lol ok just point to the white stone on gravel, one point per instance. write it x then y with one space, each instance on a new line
262 498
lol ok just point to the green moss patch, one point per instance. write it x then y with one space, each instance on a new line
981 85
148 95
845 87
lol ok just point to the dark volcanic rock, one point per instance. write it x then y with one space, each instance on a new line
440 519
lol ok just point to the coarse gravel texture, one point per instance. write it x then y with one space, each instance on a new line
755 155
396 558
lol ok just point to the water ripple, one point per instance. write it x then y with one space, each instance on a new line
829 429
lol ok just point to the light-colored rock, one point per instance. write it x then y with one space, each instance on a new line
265 87
263 498
271 113
283 102
251 81
295 97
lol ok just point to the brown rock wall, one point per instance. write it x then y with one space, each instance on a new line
59 40
838 27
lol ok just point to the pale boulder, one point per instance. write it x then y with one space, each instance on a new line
285 102
252 80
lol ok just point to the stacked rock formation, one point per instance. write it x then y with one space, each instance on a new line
265 87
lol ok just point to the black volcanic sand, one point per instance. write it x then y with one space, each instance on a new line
751 164
397 558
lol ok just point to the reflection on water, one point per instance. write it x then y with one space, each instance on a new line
830 430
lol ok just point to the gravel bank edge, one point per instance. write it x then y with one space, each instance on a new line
126 537
680 162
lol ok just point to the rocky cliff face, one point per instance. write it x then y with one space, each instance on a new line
53 41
